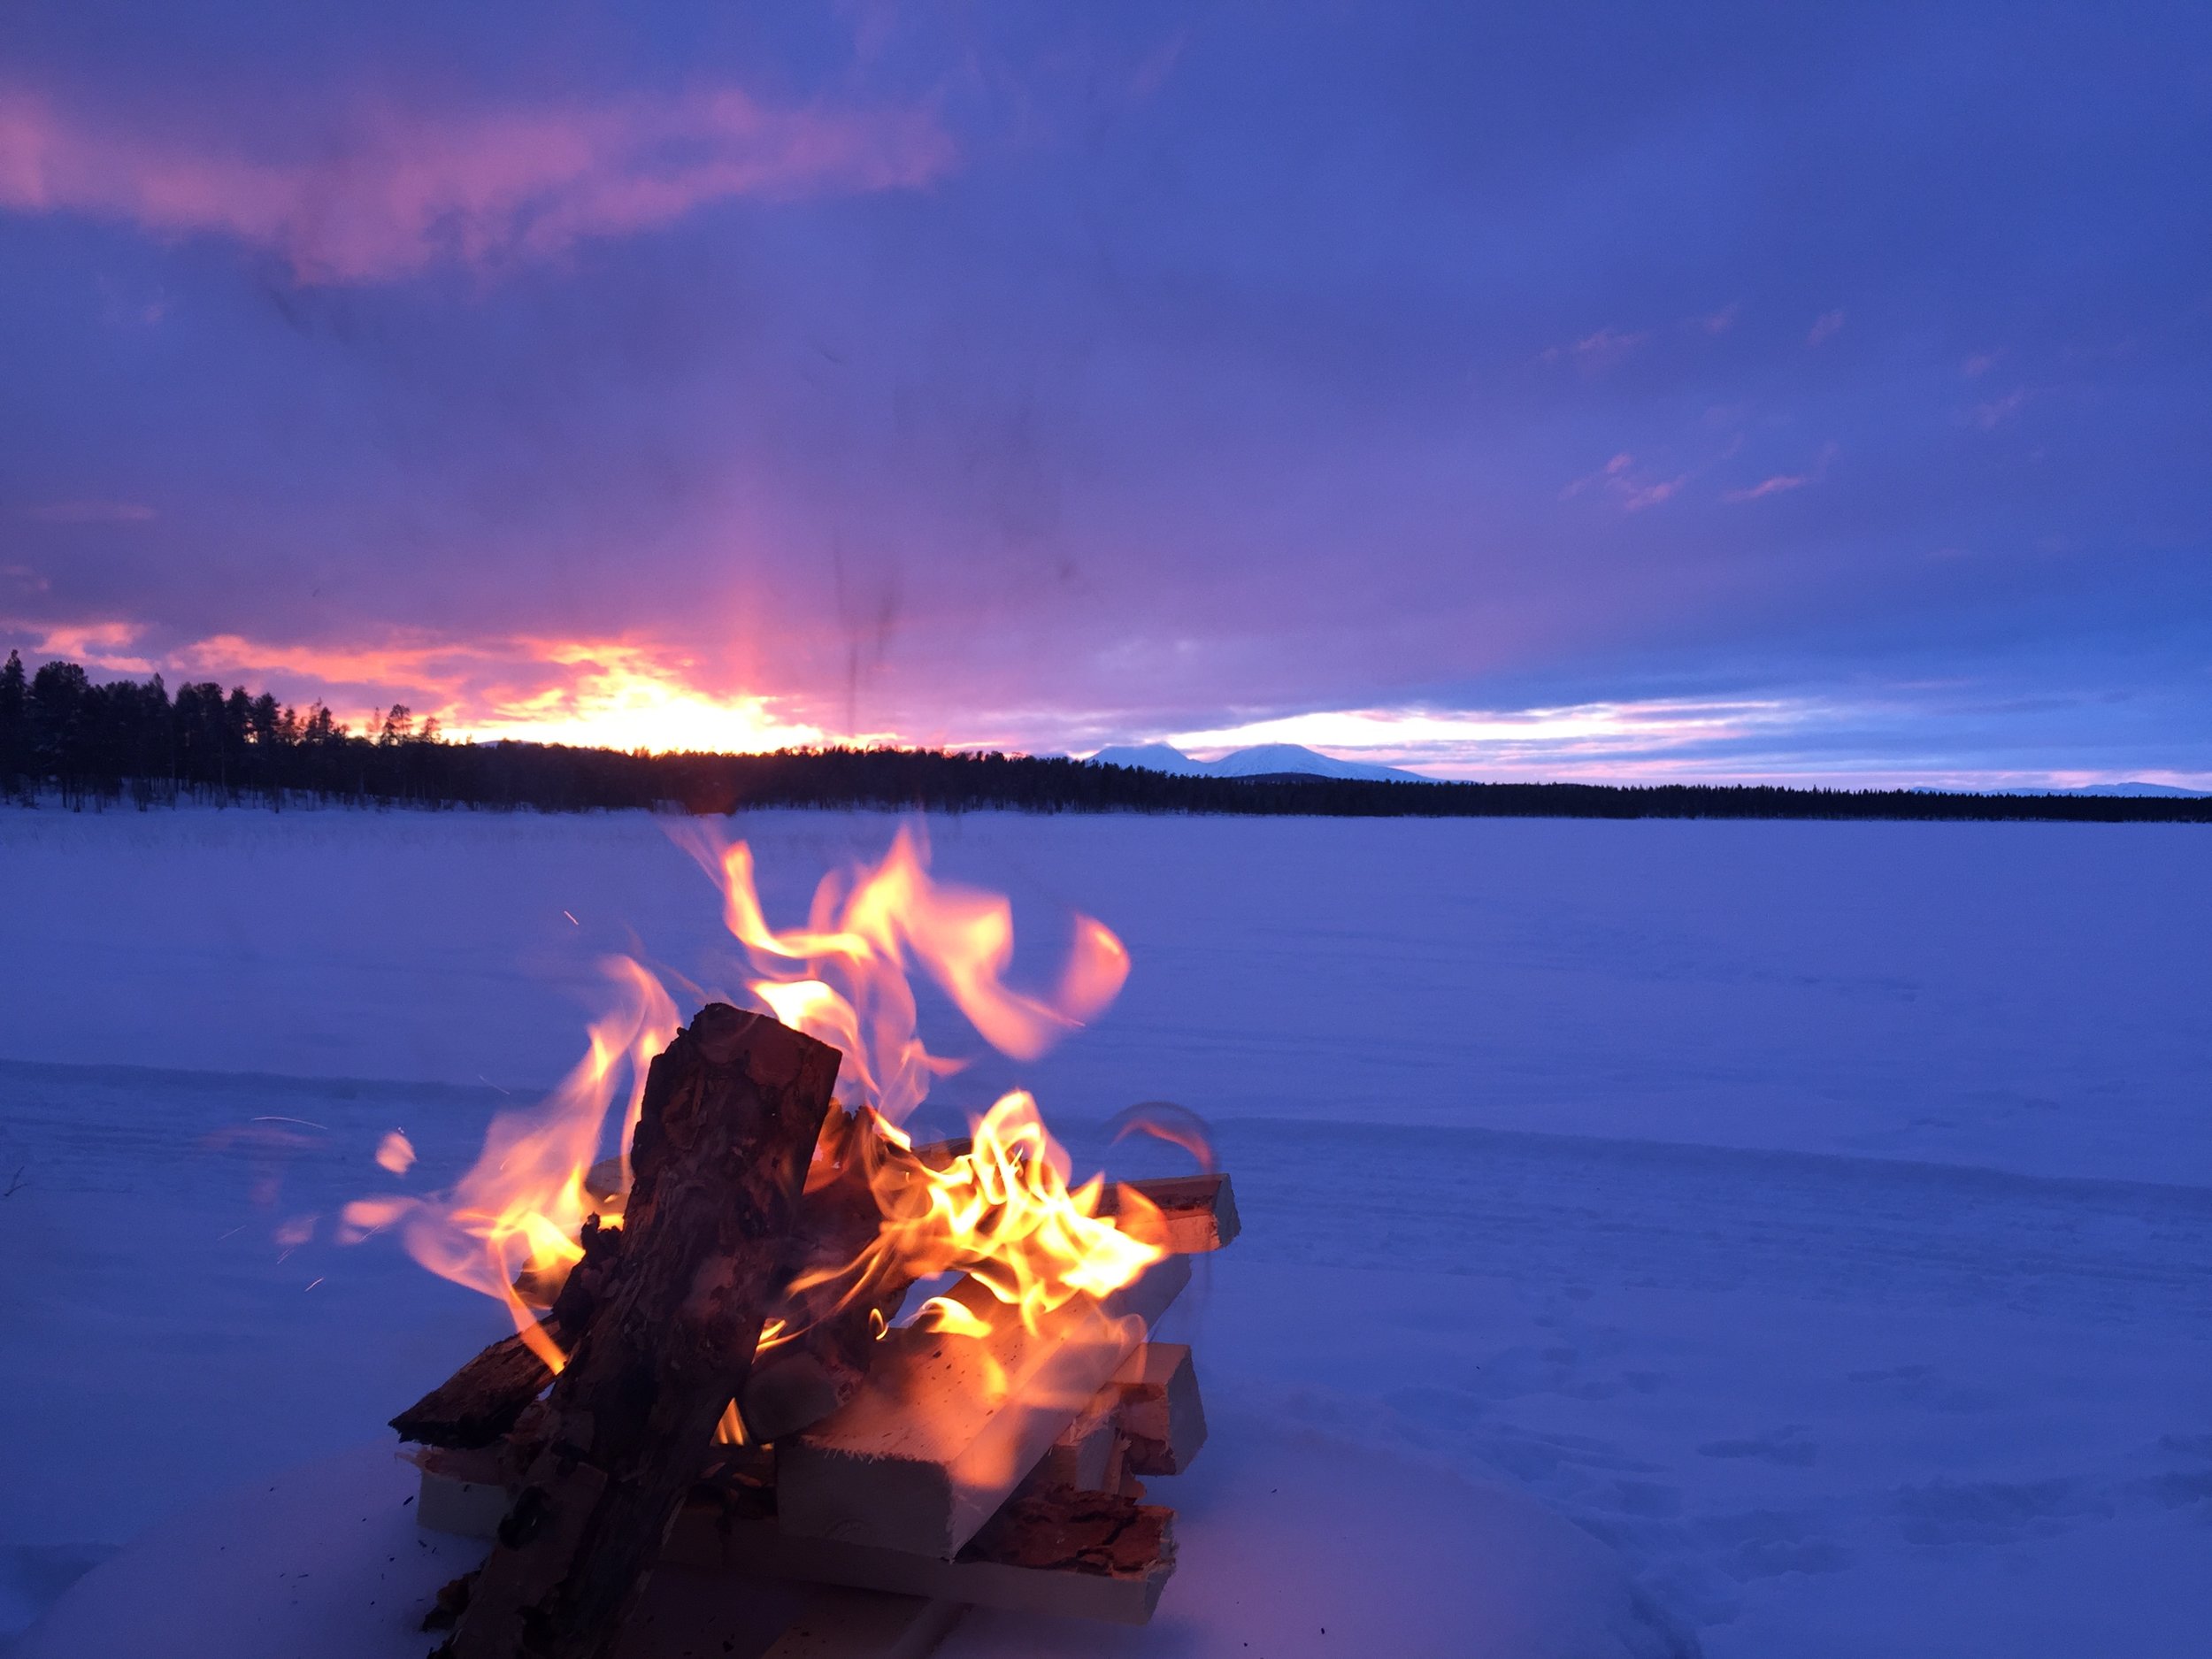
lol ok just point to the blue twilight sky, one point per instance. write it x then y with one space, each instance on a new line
1698 390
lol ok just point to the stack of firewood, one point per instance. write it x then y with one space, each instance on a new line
917 1470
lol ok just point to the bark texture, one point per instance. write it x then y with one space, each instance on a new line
732 1112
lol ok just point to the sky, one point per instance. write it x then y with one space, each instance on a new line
1707 391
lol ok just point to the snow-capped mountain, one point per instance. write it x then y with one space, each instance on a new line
1261 760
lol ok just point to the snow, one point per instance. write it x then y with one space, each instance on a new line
1261 760
1818 1216
1307 1550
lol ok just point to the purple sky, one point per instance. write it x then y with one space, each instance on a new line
1700 391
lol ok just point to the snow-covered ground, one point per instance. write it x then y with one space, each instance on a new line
1821 1215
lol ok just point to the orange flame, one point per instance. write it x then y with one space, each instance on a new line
843 977
508 1228
1001 1211
1003 1214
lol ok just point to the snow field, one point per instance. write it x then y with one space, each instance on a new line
1819 1215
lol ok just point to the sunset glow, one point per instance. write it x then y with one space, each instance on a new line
619 697
788 376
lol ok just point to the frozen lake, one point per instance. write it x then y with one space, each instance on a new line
1819 1214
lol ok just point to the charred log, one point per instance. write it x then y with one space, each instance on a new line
486 1397
731 1115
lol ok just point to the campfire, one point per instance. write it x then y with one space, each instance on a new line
716 1370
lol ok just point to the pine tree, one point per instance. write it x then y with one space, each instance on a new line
14 734
53 708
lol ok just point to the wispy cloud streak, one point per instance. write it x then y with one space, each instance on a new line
390 193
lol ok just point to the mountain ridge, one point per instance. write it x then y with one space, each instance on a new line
1259 760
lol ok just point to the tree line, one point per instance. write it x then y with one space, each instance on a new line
132 741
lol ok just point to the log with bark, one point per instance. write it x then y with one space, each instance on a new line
484 1399
732 1112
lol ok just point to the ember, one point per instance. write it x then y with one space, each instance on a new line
736 1385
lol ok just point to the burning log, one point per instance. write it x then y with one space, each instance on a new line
732 1110
797 1384
481 1401
833 1316
487 1397
945 1427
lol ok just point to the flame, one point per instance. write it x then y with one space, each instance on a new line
510 1226
843 977
1000 1211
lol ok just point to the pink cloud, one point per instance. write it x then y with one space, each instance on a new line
1782 483
392 194
1620 479
1636 497
1825 327
1775 485
100 644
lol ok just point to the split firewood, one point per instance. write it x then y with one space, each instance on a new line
1088 1455
945 1427
842 1623
732 1110
1064 1531
1199 1211
1069 1555
1161 1417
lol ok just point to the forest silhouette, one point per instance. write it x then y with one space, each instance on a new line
89 745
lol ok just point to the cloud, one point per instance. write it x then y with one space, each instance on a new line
1825 327
1654 738
1782 483
96 644
1803 736
1998 410
617 693
1777 485
390 193
1620 479
89 512
1599 351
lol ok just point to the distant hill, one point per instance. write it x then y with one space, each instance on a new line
1263 760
